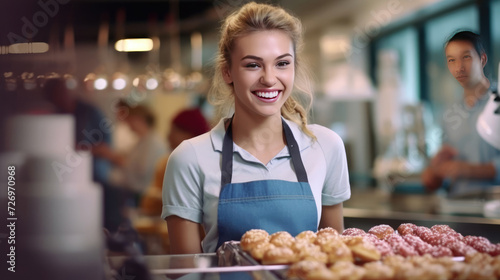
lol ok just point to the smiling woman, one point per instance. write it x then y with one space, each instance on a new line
263 166
262 73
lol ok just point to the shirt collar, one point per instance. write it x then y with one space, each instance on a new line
218 132
480 103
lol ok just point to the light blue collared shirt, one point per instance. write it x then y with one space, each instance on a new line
459 128
192 179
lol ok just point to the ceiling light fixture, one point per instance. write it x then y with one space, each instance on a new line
134 45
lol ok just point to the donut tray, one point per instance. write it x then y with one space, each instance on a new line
230 254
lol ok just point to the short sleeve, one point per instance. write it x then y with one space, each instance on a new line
336 188
182 192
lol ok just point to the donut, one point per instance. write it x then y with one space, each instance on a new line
340 253
378 270
327 231
281 239
258 251
321 274
383 247
399 245
365 252
424 233
313 253
302 268
440 251
353 232
348 270
406 228
253 237
418 244
329 243
481 244
279 255
307 235
381 231
447 230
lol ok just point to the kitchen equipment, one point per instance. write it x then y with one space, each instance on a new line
488 123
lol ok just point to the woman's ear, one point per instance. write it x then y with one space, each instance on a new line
227 75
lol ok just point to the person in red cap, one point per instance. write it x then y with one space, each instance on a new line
187 124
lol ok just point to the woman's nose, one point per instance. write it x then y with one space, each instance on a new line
268 78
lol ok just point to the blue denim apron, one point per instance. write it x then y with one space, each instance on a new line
272 205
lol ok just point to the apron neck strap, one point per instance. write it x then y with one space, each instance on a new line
227 155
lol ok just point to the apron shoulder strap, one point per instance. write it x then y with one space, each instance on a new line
227 156
294 150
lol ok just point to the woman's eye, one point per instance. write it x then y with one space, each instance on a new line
467 56
283 63
252 65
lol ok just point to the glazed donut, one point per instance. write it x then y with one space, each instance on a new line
302 268
418 244
381 231
440 251
424 233
258 251
307 235
253 237
313 253
321 274
407 228
459 248
347 270
329 243
362 248
353 232
378 270
447 230
301 244
327 231
399 245
481 244
279 255
383 247
281 239
340 253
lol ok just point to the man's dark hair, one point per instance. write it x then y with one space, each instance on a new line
471 37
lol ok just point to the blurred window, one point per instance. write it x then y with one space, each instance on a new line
495 38
405 43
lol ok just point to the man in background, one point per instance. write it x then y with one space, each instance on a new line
466 163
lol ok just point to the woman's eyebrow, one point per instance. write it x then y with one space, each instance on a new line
260 58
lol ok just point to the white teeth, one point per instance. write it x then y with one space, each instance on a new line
271 94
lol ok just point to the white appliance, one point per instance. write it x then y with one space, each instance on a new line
488 123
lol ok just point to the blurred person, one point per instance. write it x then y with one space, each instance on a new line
265 166
186 124
134 171
90 127
466 164
124 139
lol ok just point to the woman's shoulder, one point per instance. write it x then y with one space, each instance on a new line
324 134
193 149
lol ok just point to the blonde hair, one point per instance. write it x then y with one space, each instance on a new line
260 17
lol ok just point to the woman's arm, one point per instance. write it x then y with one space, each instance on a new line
184 236
332 216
